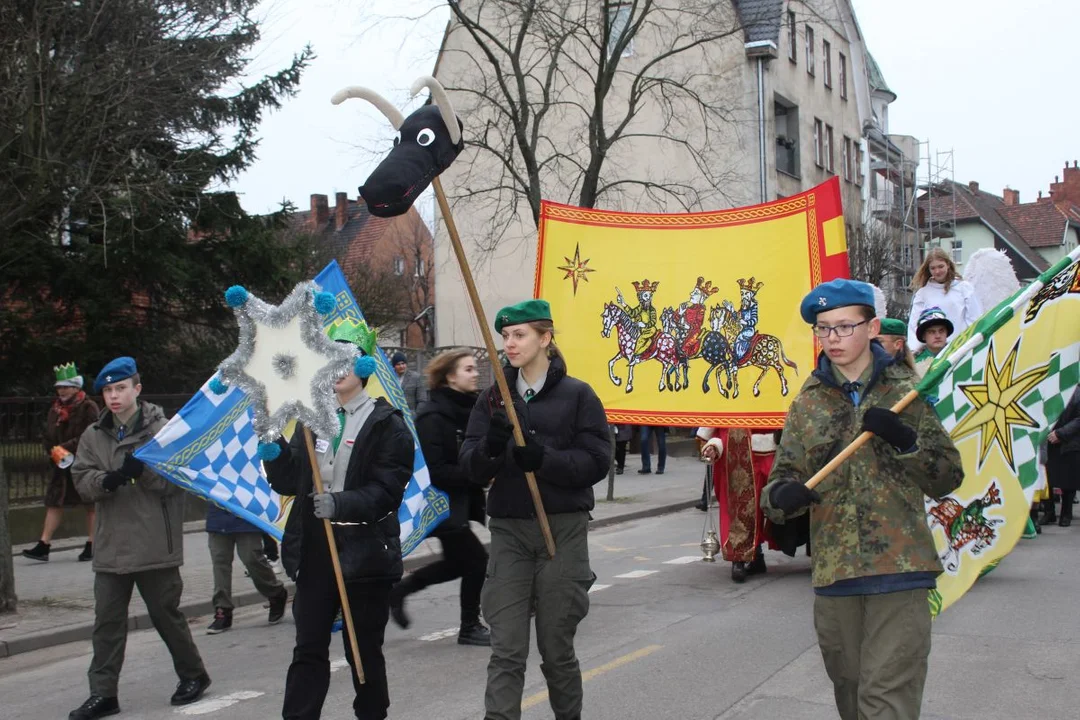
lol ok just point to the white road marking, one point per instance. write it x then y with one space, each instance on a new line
635 574
684 560
219 703
441 635
336 665
598 588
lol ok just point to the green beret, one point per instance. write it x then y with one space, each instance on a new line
523 312
892 326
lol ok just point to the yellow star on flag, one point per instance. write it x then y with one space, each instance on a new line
576 269
997 403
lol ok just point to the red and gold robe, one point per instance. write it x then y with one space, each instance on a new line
738 477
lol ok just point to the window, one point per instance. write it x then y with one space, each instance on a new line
421 267
399 265
843 76
845 159
826 50
858 164
829 149
819 137
618 25
957 250
906 255
809 49
792 41
786 119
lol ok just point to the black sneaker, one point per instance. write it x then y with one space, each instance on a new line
95 707
644 471
222 622
38 552
188 691
87 552
277 607
474 634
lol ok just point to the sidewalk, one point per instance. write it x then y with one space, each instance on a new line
56 598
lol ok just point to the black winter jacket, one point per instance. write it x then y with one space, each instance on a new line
379 469
565 417
440 423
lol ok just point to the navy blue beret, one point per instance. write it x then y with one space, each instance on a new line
119 369
835 294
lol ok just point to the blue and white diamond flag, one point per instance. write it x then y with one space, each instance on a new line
210 447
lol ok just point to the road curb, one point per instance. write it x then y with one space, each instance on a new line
192 610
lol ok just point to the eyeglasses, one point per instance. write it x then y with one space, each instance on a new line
823 331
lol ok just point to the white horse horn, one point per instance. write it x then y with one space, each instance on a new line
356 91
442 101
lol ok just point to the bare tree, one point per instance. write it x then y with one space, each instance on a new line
559 93
8 599
416 247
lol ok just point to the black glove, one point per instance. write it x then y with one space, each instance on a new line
113 480
887 425
499 433
528 457
790 496
132 467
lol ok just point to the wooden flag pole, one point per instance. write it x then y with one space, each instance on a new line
489 343
856 444
316 476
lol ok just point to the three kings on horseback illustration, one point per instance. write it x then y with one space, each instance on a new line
729 342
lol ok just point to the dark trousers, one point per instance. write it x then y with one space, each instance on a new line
620 453
315 606
463 556
249 546
647 431
519 575
875 649
1067 497
160 590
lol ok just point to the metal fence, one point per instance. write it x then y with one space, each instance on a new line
22 421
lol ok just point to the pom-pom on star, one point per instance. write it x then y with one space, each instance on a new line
285 363
365 366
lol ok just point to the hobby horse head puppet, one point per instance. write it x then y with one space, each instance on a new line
428 141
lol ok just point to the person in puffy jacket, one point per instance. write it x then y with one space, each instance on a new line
567 448
364 469
440 423
138 541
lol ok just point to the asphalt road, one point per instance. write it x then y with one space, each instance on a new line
668 636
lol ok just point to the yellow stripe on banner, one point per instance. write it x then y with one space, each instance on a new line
618 662
835 236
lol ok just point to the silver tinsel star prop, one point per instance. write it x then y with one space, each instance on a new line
285 362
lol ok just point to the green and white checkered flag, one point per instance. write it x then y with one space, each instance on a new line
998 389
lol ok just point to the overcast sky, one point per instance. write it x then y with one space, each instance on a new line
988 79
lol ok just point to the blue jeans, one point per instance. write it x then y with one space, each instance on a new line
647 431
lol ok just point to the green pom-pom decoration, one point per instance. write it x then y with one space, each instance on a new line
236 296
269 451
324 303
217 387
364 367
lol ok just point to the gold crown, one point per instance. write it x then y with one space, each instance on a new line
645 286
706 288
749 286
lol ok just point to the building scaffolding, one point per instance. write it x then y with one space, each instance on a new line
937 202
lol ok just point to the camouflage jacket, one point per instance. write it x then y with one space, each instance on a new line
872 515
